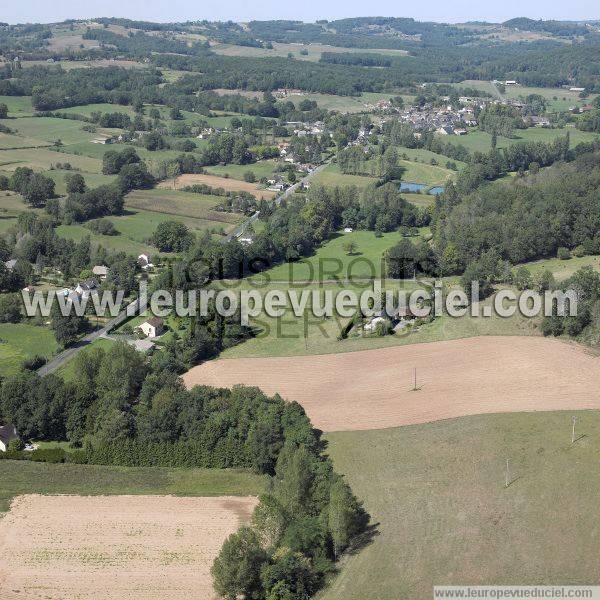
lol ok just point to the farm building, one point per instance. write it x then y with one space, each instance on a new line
152 327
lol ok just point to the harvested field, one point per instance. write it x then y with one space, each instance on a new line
372 389
115 547
173 202
227 183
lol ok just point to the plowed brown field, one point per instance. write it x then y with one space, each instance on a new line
372 389
227 183
115 547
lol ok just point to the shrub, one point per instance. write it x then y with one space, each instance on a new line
563 254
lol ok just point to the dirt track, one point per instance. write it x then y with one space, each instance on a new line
115 547
372 389
227 183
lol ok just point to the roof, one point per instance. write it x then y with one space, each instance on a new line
100 270
155 322
10 264
142 345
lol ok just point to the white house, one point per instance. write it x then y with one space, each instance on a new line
10 264
7 433
152 327
86 288
145 261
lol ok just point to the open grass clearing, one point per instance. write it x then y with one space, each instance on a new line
481 141
373 389
332 261
43 159
20 341
445 517
18 106
158 547
50 129
92 180
312 51
332 176
263 168
185 204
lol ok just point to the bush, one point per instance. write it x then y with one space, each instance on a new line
579 251
563 254
34 363
102 227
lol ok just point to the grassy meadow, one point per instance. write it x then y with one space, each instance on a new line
23 477
444 516
21 341
481 141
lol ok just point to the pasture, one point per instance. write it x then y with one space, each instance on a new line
311 52
263 168
343 392
183 204
18 106
332 261
106 546
44 159
20 341
445 517
481 141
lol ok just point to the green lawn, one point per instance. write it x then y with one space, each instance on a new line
331 176
50 129
444 515
425 156
23 477
480 141
21 341
263 168
183 204
332 261
43 159
88 109
92 179
428 174
558 99
18 106
562 269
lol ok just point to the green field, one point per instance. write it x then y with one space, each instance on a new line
263 168
92 179
444 515
346 104
562 269
428 174
23 477
18 106
88 109
426 156
331 260
21 341
182 204
480 141
50 129
332 176
43 159
280 49
558 99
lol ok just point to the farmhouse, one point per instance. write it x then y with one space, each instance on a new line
152 327
7 433
101 271
86 288
144 261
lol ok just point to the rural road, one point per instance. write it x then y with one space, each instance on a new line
64 357
58 361
239 230
496 91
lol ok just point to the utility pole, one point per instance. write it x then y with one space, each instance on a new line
507 475
573 421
